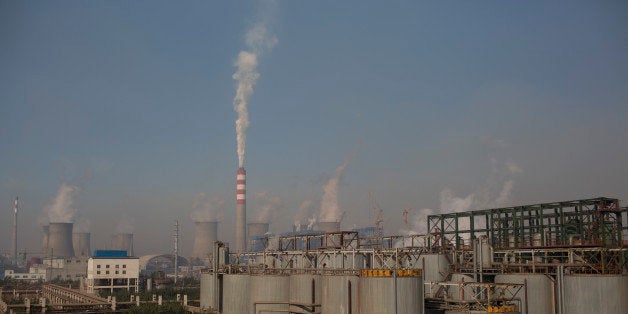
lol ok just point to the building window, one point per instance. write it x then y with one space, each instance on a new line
98 266
117 272
124 272
117 266
107 266
98 272
107 273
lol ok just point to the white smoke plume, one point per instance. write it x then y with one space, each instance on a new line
125 225
268 205
306 209
207 208
311 222
259 39
82 225
62 208
330 210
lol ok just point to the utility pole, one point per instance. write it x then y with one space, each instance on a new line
176 251
15 231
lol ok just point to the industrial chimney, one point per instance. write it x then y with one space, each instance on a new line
241 210
44 239
205 234
329 226
60 239
81 243
123 242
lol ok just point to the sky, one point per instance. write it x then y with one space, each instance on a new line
437 106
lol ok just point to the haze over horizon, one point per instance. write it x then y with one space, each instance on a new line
122 112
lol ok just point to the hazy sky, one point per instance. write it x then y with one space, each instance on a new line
458 104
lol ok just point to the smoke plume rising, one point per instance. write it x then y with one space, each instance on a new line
259 39
330 211
306 209
62 209
207 208
126 224
268 205
82 225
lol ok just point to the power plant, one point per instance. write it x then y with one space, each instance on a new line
205 234
123 242
81 243
60 239
240 225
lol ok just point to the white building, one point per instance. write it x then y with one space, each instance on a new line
68 268
113 273
34 275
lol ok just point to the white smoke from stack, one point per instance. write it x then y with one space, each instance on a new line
125 225
330 210
267 206
259 39
311 222
306 209
62 209
207 208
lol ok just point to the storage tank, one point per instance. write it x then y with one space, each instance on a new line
81 243
595 294
305 288
269 288
60 239
123 242
236 296
391 295
205 234
539 291
329 226
436 268
44 239
339 294
208 296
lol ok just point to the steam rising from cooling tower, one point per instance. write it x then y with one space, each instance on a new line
205 234
267 206
207 209
62 209
123 242
330 211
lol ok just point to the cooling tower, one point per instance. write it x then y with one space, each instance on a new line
329 226
241 210
44 239
257 229
205 234
60 239
123 242
81 243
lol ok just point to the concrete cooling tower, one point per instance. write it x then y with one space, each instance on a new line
329 226
123 242
205 234
81 243
44 240
60 239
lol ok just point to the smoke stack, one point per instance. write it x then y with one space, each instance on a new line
14 248
81 243
44 240
60 239
241 210
205 234
123 242
329 226
256 229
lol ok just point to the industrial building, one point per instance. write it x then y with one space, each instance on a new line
112 270
552 258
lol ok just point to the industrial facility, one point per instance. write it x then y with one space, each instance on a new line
563 257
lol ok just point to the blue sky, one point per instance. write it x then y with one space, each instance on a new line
428 95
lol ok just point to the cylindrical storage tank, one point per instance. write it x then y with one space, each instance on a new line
339 294
44 240
436 267
205 234
81 243
539 291
208 292
272 288
123 242
329 226
485 251
606 294
378 295
305 288
60 239
236 296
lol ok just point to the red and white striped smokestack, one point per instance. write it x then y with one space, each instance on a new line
241 210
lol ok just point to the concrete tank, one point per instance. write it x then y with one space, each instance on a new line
328 226
208 289
44 239
236 296
539 288
305 288
123 242
81 243
269 288
205 234
606 294
339 294
384 295
60 239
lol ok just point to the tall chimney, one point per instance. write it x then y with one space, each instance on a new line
81 243
14 248
60 239
205 234
44 240
123 242
241 210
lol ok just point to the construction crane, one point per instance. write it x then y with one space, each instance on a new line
377 211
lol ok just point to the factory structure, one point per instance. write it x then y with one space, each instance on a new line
557 258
